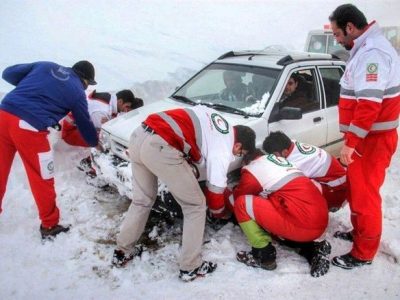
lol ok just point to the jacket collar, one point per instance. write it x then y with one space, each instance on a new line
372 30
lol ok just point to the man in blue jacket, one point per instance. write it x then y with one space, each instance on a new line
44 93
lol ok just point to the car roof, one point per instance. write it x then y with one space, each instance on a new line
275 58
320 31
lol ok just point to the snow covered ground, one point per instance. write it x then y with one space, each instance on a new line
77 264
152 46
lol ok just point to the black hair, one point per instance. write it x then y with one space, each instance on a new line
276 142
252 156
137 103
246 136
126 96
346 13
295 77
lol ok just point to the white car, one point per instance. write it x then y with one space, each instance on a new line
255 101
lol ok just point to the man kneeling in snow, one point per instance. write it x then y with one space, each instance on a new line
325 170
102 108
274 197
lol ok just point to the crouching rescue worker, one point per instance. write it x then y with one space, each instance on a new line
102 108
274 197
325 171
45 92
163 148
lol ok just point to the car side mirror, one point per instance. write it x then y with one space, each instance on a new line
285 113
290 113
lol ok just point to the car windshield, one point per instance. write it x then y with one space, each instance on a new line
317 43
233 88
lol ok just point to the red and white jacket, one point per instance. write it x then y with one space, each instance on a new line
205 137
100 106
370 88
265 175
290 191
317 164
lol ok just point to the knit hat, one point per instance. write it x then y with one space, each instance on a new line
85 70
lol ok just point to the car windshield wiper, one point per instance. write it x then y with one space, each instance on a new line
226 108
184 99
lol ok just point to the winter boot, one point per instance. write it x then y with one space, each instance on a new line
264 258
343 235
205 268
320 261
49 233
120 258
347 261
324 248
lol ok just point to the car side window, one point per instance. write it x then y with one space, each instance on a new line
331 78
301 91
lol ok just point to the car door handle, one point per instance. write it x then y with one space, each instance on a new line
317 119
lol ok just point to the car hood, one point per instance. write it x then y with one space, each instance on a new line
122 126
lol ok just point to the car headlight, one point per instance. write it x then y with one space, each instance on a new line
104 140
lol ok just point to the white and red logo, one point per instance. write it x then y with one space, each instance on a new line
372 72
220 123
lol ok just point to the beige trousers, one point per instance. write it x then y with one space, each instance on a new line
152 158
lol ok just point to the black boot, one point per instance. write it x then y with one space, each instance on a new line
205 268
120 258
316 253
49 233
343 235
320 260
264 258
348 261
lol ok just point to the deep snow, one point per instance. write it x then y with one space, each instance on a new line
152 46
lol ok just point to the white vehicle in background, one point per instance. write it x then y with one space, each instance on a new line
264 75
323 41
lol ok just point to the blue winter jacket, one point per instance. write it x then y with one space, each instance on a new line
45 92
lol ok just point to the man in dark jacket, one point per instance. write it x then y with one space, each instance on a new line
292 96
44 93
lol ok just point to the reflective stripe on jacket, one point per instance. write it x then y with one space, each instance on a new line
205 137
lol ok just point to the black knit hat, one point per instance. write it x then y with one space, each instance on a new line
85 70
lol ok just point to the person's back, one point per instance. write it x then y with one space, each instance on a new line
286 186
44 94
163 148
317 164
274 197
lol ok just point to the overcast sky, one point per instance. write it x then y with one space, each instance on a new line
134 41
